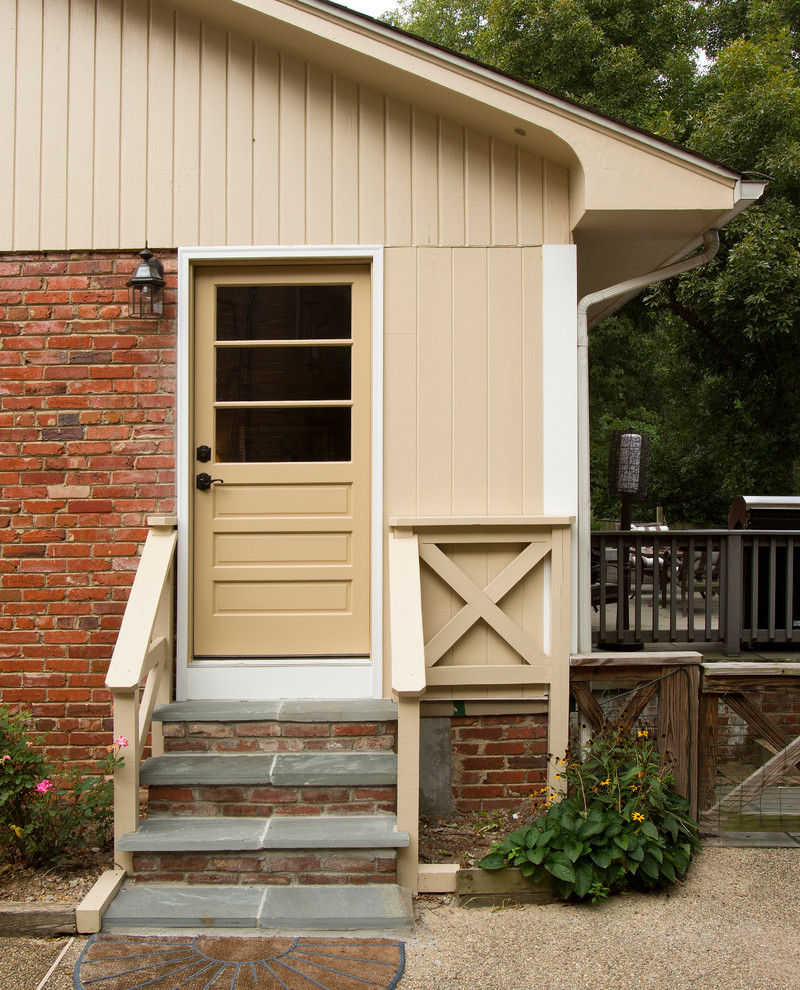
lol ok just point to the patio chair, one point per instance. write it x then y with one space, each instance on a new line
643 563
698 563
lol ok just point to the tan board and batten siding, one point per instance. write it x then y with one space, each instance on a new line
142 120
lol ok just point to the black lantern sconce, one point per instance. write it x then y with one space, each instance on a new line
146 288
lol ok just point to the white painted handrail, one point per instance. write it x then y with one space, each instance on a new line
140 673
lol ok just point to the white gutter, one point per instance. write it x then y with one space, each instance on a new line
630 287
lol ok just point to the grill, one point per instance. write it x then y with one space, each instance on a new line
765 512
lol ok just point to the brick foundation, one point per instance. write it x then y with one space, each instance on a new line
280 866
277 737
497 760
86 455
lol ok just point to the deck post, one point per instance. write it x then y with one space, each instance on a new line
732 596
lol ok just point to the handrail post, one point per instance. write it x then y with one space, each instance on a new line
126 773
731 595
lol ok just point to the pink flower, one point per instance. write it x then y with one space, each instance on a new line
44 786
3 759
120 741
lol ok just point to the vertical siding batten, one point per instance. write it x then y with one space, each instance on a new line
504 193
434 377
424 177
55 92
292 140
345 161
186 138
266 135
470 384
452 168
478 188
505 378
371 159
239 159
79 198
532 372
213 134
398 172
8 121
106 136
159 228
319 163
28 117
132 130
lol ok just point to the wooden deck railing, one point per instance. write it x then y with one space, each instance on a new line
730 587
530 655
140 673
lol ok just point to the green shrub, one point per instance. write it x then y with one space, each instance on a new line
41 824
620 825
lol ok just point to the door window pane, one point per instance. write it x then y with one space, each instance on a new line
283 312
275 374
313 434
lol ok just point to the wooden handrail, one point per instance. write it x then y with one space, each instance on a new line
143 653
129 658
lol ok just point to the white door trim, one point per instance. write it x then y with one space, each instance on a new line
188 258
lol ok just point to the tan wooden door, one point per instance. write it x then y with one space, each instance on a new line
282 402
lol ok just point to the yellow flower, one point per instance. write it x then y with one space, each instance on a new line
606 782
642 734
16 830
634 787
637 817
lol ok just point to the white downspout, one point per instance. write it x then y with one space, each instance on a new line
711 245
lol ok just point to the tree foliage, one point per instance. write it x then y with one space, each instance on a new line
709 362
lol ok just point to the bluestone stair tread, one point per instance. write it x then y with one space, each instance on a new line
317 908
282 832
281 710
351 768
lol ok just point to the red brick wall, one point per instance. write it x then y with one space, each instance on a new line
86 455
498 760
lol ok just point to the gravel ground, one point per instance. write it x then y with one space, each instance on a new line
734 925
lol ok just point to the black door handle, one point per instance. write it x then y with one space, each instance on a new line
204 481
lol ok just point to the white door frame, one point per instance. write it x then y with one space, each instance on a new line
241 677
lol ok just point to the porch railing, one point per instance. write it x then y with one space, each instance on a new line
530 658
732 587
140 673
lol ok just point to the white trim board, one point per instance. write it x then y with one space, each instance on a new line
243 679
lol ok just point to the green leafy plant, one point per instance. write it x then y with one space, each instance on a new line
621 823
45 824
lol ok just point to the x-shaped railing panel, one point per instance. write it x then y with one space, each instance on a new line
481 603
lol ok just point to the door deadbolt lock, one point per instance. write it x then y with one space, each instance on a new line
204 481
203 453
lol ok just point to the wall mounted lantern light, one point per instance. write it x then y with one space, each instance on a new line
146 288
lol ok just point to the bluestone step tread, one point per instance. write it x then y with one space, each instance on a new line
311 769
317 908
288 710
283 832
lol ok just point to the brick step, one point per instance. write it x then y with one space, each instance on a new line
264 801
373 907
284 867
314 769
251 834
